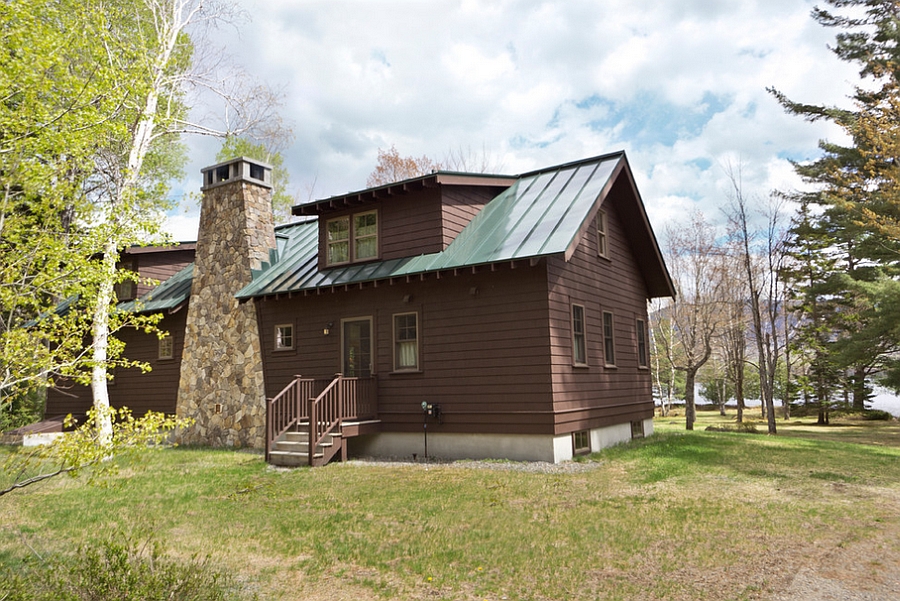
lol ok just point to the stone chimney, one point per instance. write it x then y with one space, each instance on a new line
222 385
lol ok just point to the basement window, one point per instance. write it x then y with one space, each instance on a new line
581 442
637 429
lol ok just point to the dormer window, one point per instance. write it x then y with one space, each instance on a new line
353 236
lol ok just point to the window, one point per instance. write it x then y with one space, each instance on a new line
284 337
579 348
581 442
125 290
609 347
637 429
365 236
406 342
602 242
641 343
353 236
338 233
166 347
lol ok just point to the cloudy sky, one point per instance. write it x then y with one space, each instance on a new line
679 86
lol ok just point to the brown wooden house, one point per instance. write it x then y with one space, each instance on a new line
480 315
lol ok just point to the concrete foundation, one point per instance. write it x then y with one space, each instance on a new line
515 447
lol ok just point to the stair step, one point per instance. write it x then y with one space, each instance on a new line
287 459
298 447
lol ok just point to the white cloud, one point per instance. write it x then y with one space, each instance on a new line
680 86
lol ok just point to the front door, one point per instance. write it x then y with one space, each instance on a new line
357 347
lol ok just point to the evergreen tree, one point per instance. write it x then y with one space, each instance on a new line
848 267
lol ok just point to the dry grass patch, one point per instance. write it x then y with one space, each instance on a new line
704 515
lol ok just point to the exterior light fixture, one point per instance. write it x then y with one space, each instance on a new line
327 329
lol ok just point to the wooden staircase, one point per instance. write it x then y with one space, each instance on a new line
291 449
309 421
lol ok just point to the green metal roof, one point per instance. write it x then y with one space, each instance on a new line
542 213
165 297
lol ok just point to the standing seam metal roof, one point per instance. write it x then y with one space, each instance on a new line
540 214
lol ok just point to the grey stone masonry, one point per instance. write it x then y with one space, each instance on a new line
222 386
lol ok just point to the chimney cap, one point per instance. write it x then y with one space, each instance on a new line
237 169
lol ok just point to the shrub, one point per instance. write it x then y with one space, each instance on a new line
877 414
743 428
120 569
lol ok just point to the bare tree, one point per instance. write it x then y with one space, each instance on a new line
662 349
762 265
696 264
392 167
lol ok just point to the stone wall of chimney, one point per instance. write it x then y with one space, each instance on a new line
222 384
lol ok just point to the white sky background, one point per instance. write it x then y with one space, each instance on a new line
680 86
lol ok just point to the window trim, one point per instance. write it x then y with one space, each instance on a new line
643 357
356 238
165 350
576 336
352 240
373 346
278 339
330 243
637 429
585 449
609 339
396 344
602 234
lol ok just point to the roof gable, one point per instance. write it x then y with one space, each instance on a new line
542 213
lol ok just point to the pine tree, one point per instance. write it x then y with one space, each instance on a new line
855 251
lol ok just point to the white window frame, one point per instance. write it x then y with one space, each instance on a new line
397 342
357 237
279 337
352 241
331 243
602 235
585 448
579 336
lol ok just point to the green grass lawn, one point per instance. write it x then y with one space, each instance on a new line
702 515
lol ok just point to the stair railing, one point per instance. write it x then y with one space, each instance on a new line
325 414
287 408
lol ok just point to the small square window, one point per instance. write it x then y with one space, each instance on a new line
637 429
166 347
581 442
284 337
602 239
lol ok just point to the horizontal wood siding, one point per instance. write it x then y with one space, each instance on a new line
483 348
156 390
159 267
460 204
411 224
596 395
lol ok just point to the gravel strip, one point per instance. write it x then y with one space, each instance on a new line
537 467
